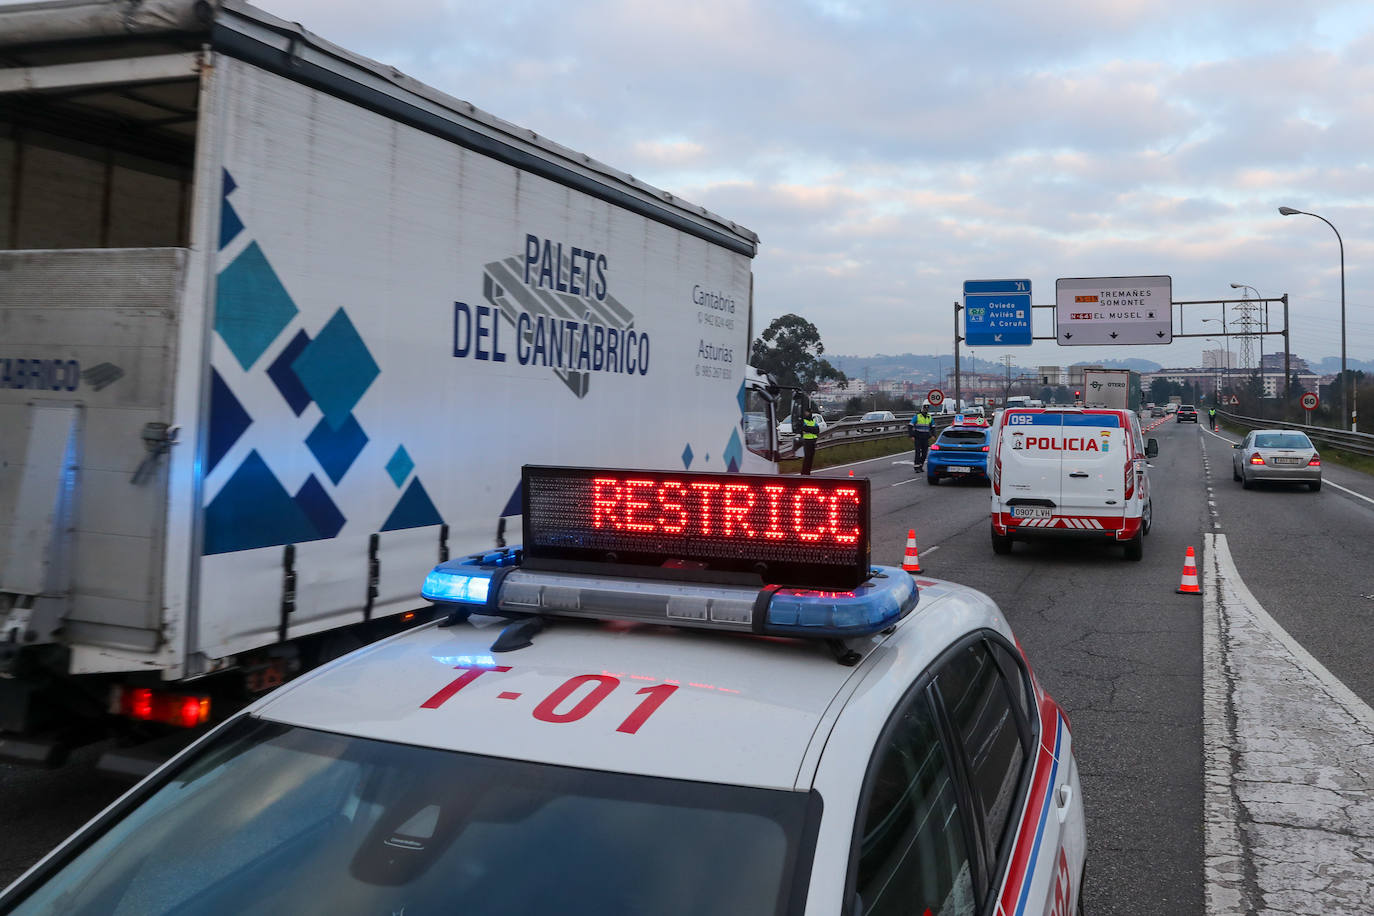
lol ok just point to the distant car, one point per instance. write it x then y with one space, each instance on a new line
785 427
1156 411
1170 407
975 411
1186 412
1278 455
877 416
961 451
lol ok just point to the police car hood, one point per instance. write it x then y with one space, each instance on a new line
585 694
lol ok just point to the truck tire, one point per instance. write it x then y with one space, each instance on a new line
1135 547
1001 543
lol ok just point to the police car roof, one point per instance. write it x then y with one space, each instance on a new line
747 710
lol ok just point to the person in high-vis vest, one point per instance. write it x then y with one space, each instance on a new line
1212 416
810 434
920 428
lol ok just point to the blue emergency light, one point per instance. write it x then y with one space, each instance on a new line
474 584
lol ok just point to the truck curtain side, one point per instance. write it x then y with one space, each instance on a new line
300 327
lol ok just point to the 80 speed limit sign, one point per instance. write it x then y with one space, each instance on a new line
1310 401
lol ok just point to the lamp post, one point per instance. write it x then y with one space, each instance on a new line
1227 346
1345 397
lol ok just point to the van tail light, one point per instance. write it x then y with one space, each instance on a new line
145 704
1128 483
1257 458
1316 461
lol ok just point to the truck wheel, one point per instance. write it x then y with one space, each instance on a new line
1001 543
1135 547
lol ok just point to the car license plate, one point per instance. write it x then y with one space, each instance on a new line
1285 461
1031 512
960 469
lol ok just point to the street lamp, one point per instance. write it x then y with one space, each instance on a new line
1345 398
1227 346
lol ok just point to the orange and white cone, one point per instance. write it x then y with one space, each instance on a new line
910 561
1189 584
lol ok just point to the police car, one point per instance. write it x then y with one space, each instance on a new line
686 693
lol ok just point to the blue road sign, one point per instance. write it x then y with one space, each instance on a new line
997 313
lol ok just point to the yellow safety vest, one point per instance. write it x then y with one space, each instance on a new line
810 428
924 419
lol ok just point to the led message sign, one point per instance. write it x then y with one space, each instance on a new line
805 532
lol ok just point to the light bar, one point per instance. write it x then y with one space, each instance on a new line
887 596
810 532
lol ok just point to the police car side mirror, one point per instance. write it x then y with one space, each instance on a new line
1151 448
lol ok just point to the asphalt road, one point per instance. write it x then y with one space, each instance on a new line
1109 639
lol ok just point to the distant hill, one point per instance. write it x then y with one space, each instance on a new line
1330 365
907 365
1138 365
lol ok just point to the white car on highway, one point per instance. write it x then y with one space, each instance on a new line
583 738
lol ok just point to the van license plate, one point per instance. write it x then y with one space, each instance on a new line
960 469
1031 512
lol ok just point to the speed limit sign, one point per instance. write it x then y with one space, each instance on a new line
936 397
1310 401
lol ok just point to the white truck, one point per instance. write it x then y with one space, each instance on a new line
279 327
1117 389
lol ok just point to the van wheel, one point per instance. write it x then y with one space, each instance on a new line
1135 547
1001 543
1147 519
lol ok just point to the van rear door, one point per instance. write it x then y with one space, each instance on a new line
1027 464
1096 453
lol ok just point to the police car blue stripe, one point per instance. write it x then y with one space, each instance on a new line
1044 818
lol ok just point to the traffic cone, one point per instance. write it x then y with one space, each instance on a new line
910 561
851 472
1189 584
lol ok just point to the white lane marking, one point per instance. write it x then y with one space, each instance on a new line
904 482
1283 741
1348 490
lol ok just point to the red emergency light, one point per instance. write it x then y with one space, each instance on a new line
811 531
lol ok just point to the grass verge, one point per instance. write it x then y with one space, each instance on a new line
849 452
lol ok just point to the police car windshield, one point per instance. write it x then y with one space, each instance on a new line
270 818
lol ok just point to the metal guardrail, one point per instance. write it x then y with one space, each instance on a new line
1346 441
849 430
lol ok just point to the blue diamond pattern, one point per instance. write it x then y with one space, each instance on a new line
400 465
336 369
687 457
228 420
734 452
251 306
284 377
319 508
741 398
336 449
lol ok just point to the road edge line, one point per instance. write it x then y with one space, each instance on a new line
1223 854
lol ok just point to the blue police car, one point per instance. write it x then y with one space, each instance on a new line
961 451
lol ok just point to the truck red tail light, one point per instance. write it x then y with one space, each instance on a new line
145 704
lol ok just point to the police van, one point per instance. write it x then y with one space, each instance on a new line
1068 472
684 694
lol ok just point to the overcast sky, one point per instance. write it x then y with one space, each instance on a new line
886 152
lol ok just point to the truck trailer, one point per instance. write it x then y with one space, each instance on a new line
1118 389
279 326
